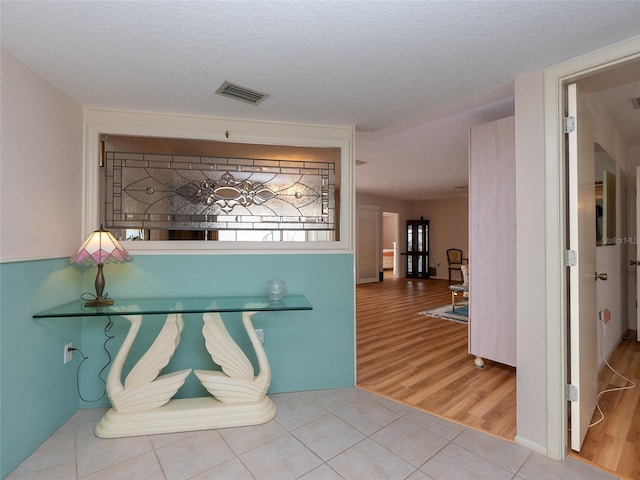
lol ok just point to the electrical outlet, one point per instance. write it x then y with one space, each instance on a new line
68 352
260 333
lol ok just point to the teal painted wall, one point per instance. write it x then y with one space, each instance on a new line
307 350
38 392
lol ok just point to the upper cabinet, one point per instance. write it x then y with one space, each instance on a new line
492 241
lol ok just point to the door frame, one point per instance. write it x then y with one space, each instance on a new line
555 235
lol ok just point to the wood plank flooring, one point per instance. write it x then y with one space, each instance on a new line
614 444
423 361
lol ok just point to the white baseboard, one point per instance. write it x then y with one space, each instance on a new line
531 445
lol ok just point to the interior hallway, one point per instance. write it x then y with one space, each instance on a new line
423 361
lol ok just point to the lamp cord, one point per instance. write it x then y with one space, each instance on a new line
108 336
616 389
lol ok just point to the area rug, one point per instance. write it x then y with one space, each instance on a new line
461 314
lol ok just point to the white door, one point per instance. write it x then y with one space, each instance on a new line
367 244
583 372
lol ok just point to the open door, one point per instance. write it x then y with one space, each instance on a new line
583 371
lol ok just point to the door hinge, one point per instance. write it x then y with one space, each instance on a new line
568 124
572 393
570 258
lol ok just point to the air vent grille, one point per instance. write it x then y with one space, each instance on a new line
243 94
636 103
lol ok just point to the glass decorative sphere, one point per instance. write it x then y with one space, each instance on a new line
276 289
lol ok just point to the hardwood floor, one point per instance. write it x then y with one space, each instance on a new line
614 443
423 361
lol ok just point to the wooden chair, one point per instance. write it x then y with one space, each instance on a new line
463 289
456 260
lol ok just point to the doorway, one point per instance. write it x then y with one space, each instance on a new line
543 395
607 93
390 251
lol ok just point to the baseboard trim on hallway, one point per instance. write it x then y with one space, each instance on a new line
536 447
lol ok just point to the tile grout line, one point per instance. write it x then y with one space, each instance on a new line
155 454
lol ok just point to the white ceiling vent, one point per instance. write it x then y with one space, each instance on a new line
243 94
635 101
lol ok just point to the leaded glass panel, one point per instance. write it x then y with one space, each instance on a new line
162 191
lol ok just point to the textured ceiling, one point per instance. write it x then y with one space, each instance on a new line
385 66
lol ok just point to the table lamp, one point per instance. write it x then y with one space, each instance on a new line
100 248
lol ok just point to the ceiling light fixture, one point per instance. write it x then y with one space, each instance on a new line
231 90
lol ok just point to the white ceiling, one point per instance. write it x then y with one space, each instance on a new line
411 75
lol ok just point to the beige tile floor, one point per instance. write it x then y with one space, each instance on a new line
328 434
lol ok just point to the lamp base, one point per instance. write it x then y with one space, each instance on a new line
99 302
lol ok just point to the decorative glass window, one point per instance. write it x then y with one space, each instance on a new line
277 194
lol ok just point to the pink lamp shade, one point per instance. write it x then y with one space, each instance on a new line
99 248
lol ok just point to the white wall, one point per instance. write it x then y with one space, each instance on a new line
610 259
448 228
633 161
530 264
39 163
389 230
608 295
605 133
633 158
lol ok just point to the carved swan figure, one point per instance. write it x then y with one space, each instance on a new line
236 383
143 389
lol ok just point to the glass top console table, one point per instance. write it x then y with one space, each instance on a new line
143 404
149 306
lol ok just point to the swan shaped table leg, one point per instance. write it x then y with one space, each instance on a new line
236 383
142 406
